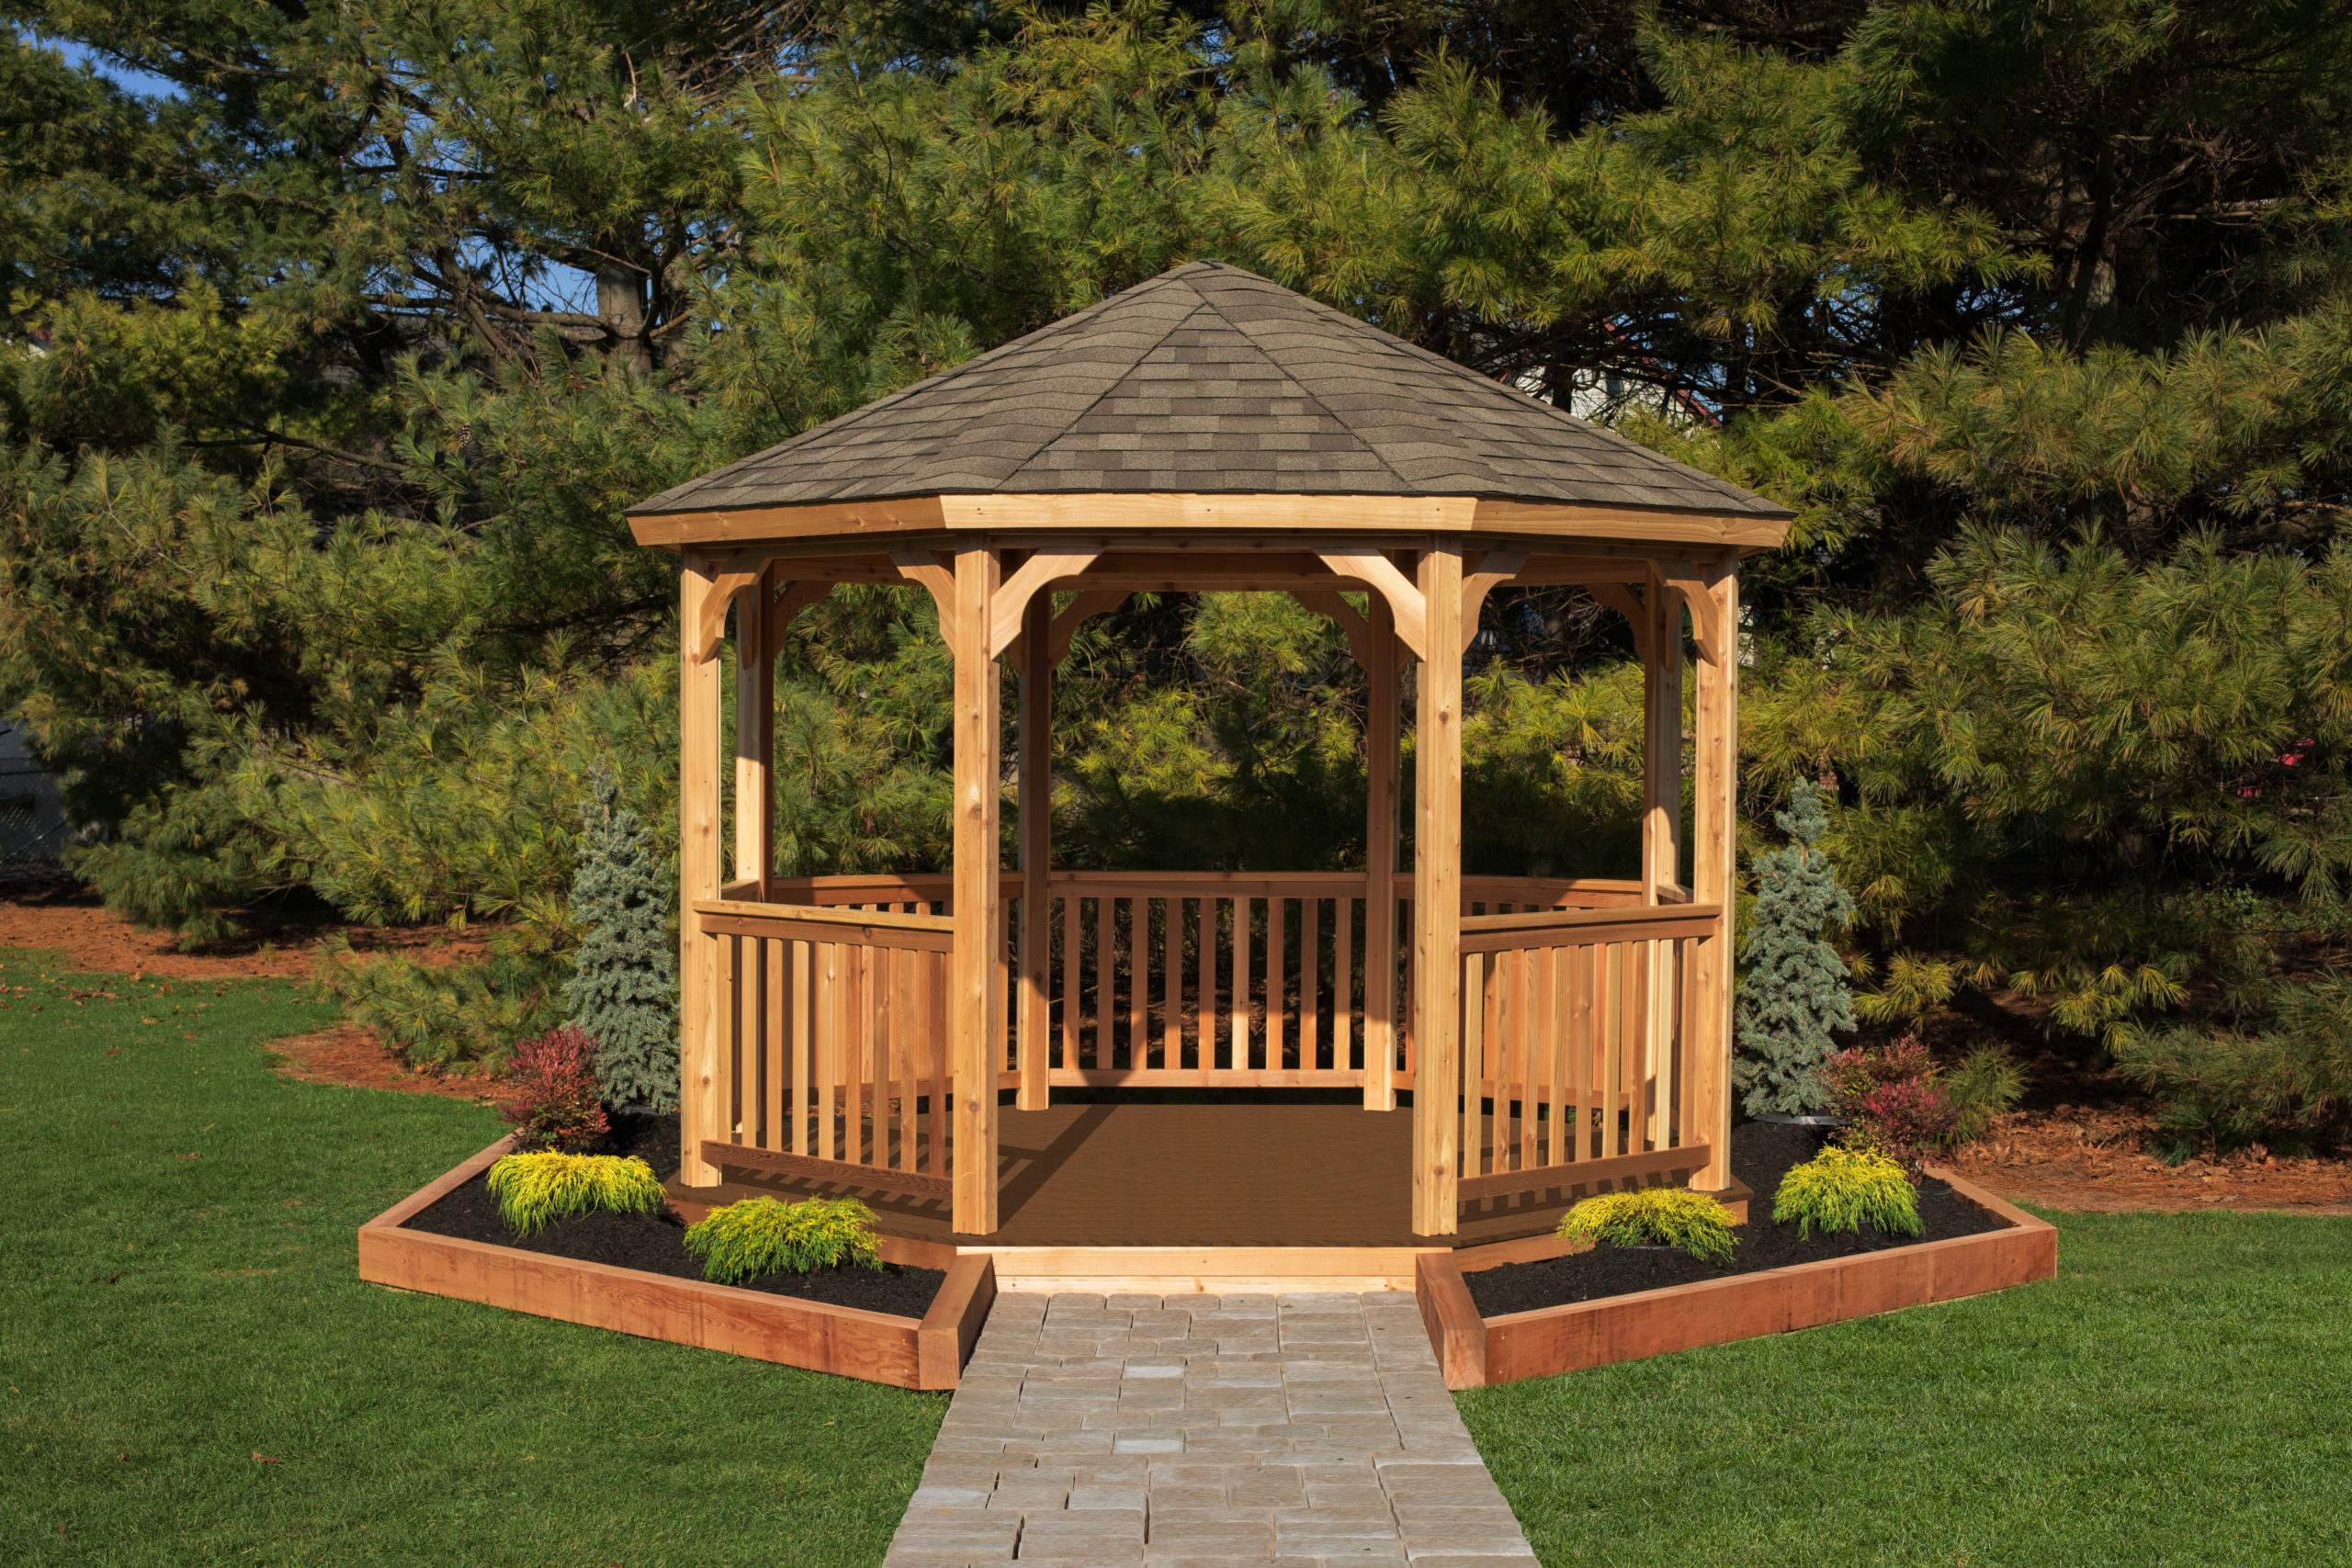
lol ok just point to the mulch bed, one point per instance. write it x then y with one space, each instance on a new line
1761 1153
655 1244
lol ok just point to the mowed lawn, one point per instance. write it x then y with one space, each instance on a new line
178 1296
2180 1395
190 1370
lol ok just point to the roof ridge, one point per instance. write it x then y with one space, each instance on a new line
1096 402
857 417
1329 412
1559 414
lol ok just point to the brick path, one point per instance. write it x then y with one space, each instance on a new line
1298 1429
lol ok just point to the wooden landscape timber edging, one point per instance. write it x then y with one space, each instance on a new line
874 1346
1475 1352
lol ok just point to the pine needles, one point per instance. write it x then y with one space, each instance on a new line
535 1189
760 1236
1655 1216
1839 1188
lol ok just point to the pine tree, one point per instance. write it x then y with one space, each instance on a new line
624 988
1794 993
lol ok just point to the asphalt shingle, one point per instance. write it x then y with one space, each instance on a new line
1212 379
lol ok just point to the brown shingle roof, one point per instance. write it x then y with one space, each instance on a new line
1215 380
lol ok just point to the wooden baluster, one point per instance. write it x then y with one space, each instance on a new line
931 1032
1101 1056
804 999
1310 985
1138 978
1629 1045
1071 992
1473 1047
902 1010
1486 1062
1344 1052
1205 1002
1559 1038
773 1045
1277 985
1240 1000
828 1044
1522 1050
1171 981
742 1090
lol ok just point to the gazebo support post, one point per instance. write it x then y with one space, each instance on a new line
1442 1104
699 1113
1381 762
1660 641
1036 830
755 735
1713 843
975 1027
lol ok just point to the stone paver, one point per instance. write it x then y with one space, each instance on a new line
1233 1430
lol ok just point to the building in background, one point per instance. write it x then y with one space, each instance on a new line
32 818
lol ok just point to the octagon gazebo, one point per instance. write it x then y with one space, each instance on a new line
1206 430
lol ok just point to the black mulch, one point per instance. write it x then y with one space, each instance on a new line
1761 1154
656 1242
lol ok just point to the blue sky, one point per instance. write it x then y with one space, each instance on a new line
139 81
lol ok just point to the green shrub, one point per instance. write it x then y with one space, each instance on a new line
760 1236
2287 1085
535 1189
1655 1216
1839 1188
1987 1083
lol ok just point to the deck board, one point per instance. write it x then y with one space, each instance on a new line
1202 1175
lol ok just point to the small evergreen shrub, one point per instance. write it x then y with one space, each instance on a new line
1793 993
2286 1084
1653 1216
1987 1083
760 1236
560 1108
537 1189
624 986
1839 1188
1891 1095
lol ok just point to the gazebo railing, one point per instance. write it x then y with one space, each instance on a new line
1573 1046
831 1007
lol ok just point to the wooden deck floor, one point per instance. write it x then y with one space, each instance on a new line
1201 1175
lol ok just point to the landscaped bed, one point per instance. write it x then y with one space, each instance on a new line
1761 1153
655 1243
1616 1304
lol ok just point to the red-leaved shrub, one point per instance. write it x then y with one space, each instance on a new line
1891 1095
560 1108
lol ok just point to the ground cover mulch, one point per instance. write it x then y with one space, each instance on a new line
655 1244
1761 1153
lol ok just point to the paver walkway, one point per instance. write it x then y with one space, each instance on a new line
1222 1430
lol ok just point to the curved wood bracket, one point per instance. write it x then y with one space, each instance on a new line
1357 630
1378 572
1621 597
1495 567
1707 627
796 597
1065 625
923 567
711 629
1011 597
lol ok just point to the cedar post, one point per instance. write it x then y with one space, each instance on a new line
975 1026
700 1113
755 735
1713 845
1437 896
1661 643
1036 832
1380 770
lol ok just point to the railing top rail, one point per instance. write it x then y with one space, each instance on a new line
1556 920
815 914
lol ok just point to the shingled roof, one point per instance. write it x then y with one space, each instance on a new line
1209 379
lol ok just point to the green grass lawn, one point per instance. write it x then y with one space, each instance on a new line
177 1295
2181 1393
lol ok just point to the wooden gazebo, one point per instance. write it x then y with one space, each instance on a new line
1206 430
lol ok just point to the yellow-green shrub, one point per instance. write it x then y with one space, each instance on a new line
1655 1216
536 1189
760 1236
1839 1188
